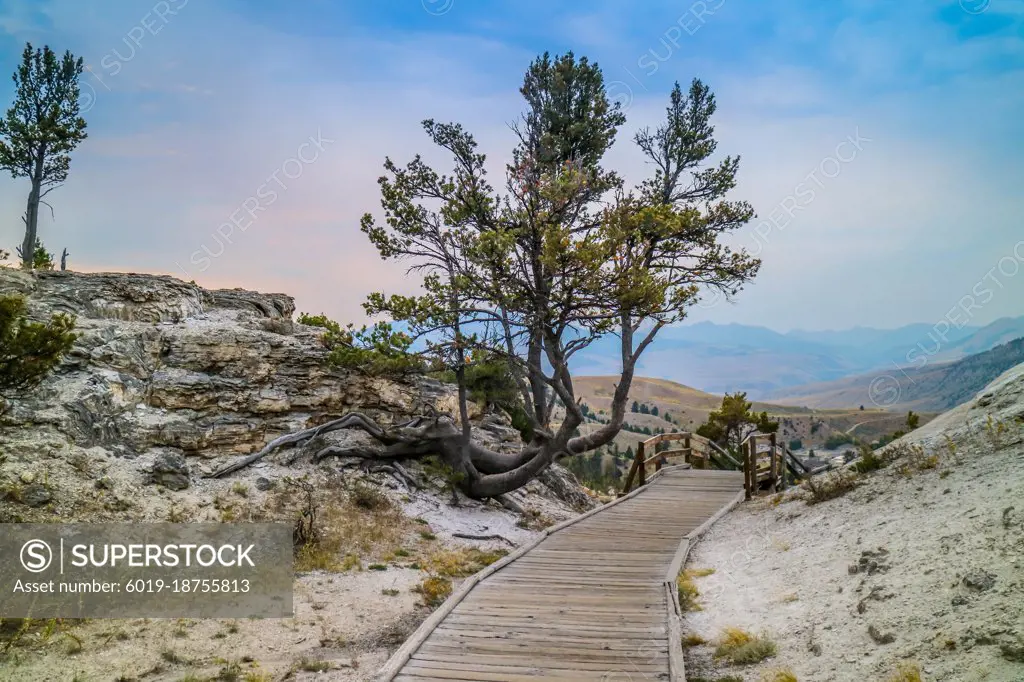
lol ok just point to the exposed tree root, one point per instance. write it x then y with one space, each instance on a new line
485 472
467 536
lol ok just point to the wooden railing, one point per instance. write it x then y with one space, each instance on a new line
777 465
697 451
753 471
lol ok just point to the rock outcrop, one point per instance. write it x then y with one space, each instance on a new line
162 363
177 378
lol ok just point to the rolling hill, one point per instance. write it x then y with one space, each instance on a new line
725 358
688 408
934 388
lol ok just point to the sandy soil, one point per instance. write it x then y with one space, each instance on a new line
931 558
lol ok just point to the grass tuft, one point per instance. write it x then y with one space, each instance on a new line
829 486
779 675
739 647
907 671
692 640
462 562
434 590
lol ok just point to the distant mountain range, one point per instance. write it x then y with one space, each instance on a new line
725 358
934 387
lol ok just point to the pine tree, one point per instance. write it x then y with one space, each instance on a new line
29 350
40 130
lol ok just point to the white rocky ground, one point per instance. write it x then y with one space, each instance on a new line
931 558
167 383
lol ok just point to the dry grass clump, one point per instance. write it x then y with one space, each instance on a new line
779 675
434 590
870 460
692 640
688 592
368 497
700 572
907 671
366 524
829 486
739 647
914 458
462 562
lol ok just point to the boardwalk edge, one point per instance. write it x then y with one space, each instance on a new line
676 666
394 665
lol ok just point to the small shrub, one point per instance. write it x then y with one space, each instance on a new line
534 520
907 671
368 497
377 567
427 535
779 675
389 592
739 647
870 460
240 489
829 486
434 590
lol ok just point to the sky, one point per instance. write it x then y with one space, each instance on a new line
237 142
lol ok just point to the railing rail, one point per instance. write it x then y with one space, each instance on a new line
777 466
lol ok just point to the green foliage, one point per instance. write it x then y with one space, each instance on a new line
731 423
41 258
838 440
654 411
796 444
29 350
635 407
563 254
378 350
912 420
594 470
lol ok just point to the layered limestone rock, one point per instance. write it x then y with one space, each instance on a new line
164 364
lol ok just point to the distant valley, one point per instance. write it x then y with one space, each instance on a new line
726 358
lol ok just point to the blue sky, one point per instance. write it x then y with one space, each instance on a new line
881 141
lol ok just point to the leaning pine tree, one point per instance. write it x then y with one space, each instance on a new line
534 274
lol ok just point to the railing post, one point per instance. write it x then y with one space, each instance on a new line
774 464
747 489
640 457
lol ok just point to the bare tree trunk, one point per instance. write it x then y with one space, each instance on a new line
31 219
28 247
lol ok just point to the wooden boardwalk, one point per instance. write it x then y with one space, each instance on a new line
594 599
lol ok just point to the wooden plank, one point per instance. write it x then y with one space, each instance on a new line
592 598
